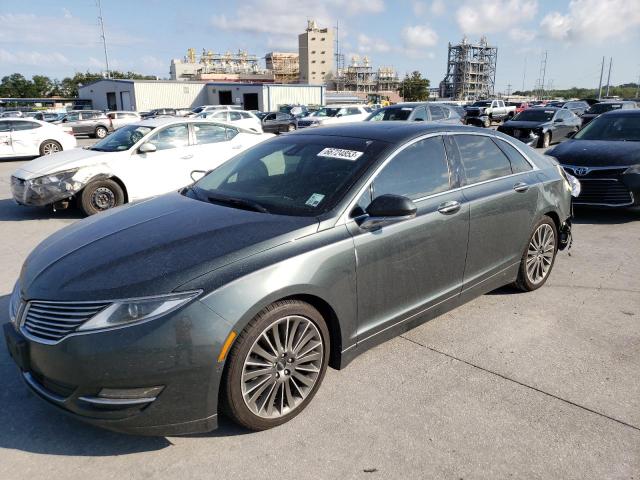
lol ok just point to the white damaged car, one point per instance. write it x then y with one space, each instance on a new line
137 161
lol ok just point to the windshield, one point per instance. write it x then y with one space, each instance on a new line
482 104
535 115
617 128
397 113
327 112
604 107
303 175
122 139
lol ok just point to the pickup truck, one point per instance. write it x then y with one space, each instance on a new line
484 112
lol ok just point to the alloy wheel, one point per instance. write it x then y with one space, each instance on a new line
282 367
50 147
540 253
103 198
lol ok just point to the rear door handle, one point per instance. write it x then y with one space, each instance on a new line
449 207
521 187
187 157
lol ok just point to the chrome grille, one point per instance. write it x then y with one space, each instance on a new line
52 321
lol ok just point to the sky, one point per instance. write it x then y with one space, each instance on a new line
57 38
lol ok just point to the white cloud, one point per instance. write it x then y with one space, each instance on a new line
419 8
68 31
436 8
419 36
367 44
522 35
593 20
33 58
490 16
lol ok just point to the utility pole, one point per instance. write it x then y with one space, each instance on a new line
600 84
638 88
544 71
508 91
104 39
609 76
524 72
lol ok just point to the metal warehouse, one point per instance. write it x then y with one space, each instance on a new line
143 95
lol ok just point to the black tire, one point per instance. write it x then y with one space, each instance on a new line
232 401
101 132
291 127
545 141
99 196
524 281
49 146
487 122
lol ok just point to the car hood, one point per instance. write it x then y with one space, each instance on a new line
150 248
525 124
56 162
597 153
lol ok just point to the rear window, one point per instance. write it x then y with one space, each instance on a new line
481 158
398 113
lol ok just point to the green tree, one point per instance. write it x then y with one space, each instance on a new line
15 85
414 88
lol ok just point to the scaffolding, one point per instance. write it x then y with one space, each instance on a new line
471 71
360 76
285 66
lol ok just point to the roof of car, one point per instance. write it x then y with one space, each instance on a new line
632 112
162 121
392 132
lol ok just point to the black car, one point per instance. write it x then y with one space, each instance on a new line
605 157
159 112
607 106
417 112
542 126
278 122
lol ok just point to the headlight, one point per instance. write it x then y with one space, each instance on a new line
134 310
634 169
54 178
572 183
14 304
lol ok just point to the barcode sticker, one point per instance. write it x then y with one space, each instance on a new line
341 154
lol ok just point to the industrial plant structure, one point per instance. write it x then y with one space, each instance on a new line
471 71
285 66
240 66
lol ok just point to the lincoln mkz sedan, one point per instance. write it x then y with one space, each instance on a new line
234 294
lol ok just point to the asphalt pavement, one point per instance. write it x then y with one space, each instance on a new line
512 385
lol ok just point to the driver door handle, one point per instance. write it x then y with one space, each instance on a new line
521 187
449 207
187 157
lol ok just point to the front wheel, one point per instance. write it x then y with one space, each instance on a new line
50 146
487 122
99 196
545 141
276 365
101 132
291 127
539 256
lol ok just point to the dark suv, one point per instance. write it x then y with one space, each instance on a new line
89 122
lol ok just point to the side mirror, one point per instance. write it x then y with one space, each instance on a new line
418 119
197 175
147 147
388 209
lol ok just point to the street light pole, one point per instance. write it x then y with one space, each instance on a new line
104 39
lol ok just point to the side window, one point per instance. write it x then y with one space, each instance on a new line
271 116
209 133
363 202
245 115
353 111
481 158
233 116
282 116
5 126
518 162
24 125
417 171
420 115
73 117
221 116
231 132
436 112
174 136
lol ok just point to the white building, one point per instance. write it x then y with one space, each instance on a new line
315 48
144 95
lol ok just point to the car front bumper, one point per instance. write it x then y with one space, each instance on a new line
177 352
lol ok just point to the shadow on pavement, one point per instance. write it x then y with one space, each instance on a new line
603 216
11 211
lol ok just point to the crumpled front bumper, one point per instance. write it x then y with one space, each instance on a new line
25 192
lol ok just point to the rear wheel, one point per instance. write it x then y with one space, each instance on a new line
99 196
539 256
101 132
276 365
291 127
545 141
487 122
50 146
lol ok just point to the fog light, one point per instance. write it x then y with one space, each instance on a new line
131 393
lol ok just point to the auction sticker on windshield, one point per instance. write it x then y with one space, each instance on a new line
340 153
314 200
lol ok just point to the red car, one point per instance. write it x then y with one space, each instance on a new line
520 106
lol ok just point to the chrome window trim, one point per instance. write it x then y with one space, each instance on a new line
344 217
